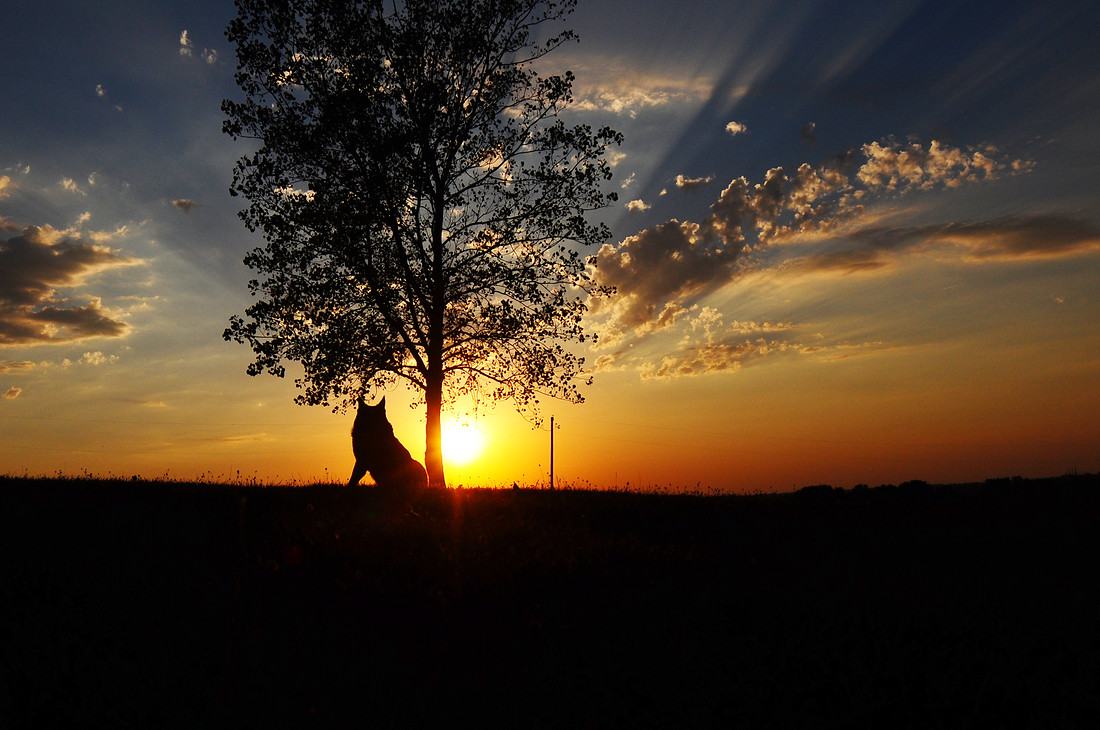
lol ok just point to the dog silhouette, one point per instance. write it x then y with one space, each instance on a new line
378 451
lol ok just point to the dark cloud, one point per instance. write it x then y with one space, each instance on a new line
12 393
849 261
1010 237
9 366
32 267
660 266
185 204
1022 236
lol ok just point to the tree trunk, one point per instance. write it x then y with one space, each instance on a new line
433 452
433 396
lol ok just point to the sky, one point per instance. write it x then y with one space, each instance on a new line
855 242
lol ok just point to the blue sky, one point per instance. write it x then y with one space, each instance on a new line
938 320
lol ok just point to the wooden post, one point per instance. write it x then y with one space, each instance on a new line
551 452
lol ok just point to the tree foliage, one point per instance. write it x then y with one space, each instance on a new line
422 203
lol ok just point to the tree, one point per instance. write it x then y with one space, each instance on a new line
423 204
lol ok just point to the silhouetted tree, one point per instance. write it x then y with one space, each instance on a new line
423 204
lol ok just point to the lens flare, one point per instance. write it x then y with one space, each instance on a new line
462 442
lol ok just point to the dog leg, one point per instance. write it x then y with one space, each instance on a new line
357 473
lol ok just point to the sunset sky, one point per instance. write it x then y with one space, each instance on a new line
855 242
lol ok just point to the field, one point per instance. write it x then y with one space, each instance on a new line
167 605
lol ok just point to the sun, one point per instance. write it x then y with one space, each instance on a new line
462 442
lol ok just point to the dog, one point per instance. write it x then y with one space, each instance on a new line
378 451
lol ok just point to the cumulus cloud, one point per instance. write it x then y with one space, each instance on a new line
97 358
736 128
637 206
692 183
185 204
12 393
669 267
657 270
187 49
32 267
895 166
100 91
186 45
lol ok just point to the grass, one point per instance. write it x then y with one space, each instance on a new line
161 604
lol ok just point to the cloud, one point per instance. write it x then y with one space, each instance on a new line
637 206
618 90
187 49
6 186
692 183
32 266
68 184
11 366
711 346
657 270
736 128
185 204
186 46
13 393
100 91
629 181
1008 237
672 265
95 359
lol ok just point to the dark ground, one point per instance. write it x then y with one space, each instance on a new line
161 605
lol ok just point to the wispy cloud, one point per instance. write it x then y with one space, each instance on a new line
67 183
711 346
185 204
13 366
32 267
1009 237
12 393
612 88
692 183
